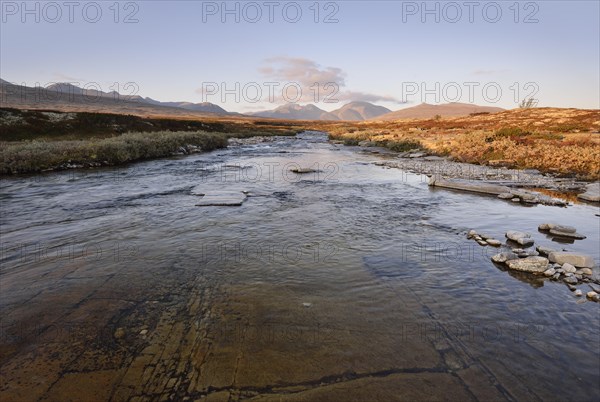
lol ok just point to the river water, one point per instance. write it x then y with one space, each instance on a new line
355 282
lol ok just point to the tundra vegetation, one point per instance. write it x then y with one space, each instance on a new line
561 141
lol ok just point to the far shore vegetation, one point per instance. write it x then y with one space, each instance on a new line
560 141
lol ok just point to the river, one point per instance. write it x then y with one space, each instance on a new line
354 283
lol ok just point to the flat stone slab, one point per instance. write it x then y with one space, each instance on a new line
575 259
529 264
592 193
471 186
220 198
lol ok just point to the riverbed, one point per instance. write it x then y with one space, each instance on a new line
354 282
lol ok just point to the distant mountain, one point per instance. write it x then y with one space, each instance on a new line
198 107
293 111
427 111
70 98
74 98
360 111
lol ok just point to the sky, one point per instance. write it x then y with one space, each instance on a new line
247 56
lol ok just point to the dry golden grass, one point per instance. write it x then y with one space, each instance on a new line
565 141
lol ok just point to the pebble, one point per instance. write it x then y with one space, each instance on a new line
503 257
586 271
143 332
307 305
591 295
471 234
549 272
568 268
571 288
119 333
516 200
482 242
578 293
494 242
570 280
544 250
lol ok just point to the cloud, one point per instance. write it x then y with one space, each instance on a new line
296 80
302 71
368 97
317 83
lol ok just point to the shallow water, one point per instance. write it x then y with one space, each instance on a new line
353 283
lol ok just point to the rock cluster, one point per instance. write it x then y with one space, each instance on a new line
528 197
567 267
502 192
187 150
483 239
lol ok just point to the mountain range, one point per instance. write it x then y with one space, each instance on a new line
74 98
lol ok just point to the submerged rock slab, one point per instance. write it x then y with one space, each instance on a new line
474 187
592 193
222 199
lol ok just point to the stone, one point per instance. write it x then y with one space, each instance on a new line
549 272
524 239
143 332
586 271
578 293
544 250
565 229
468 185
570 280
571 287
307 305
575 259
505 256
529 264
591 294
555 277
482 242
592 193
221 198
119 333
471 234
516 200
505 196
570 235
568 268
494 242
302 170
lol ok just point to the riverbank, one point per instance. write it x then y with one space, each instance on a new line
41 141
563 142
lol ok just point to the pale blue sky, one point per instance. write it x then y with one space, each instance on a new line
370 52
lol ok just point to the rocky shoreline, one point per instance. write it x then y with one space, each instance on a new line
571 268
510 184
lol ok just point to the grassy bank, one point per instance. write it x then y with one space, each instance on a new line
562 141
34 141
35 156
